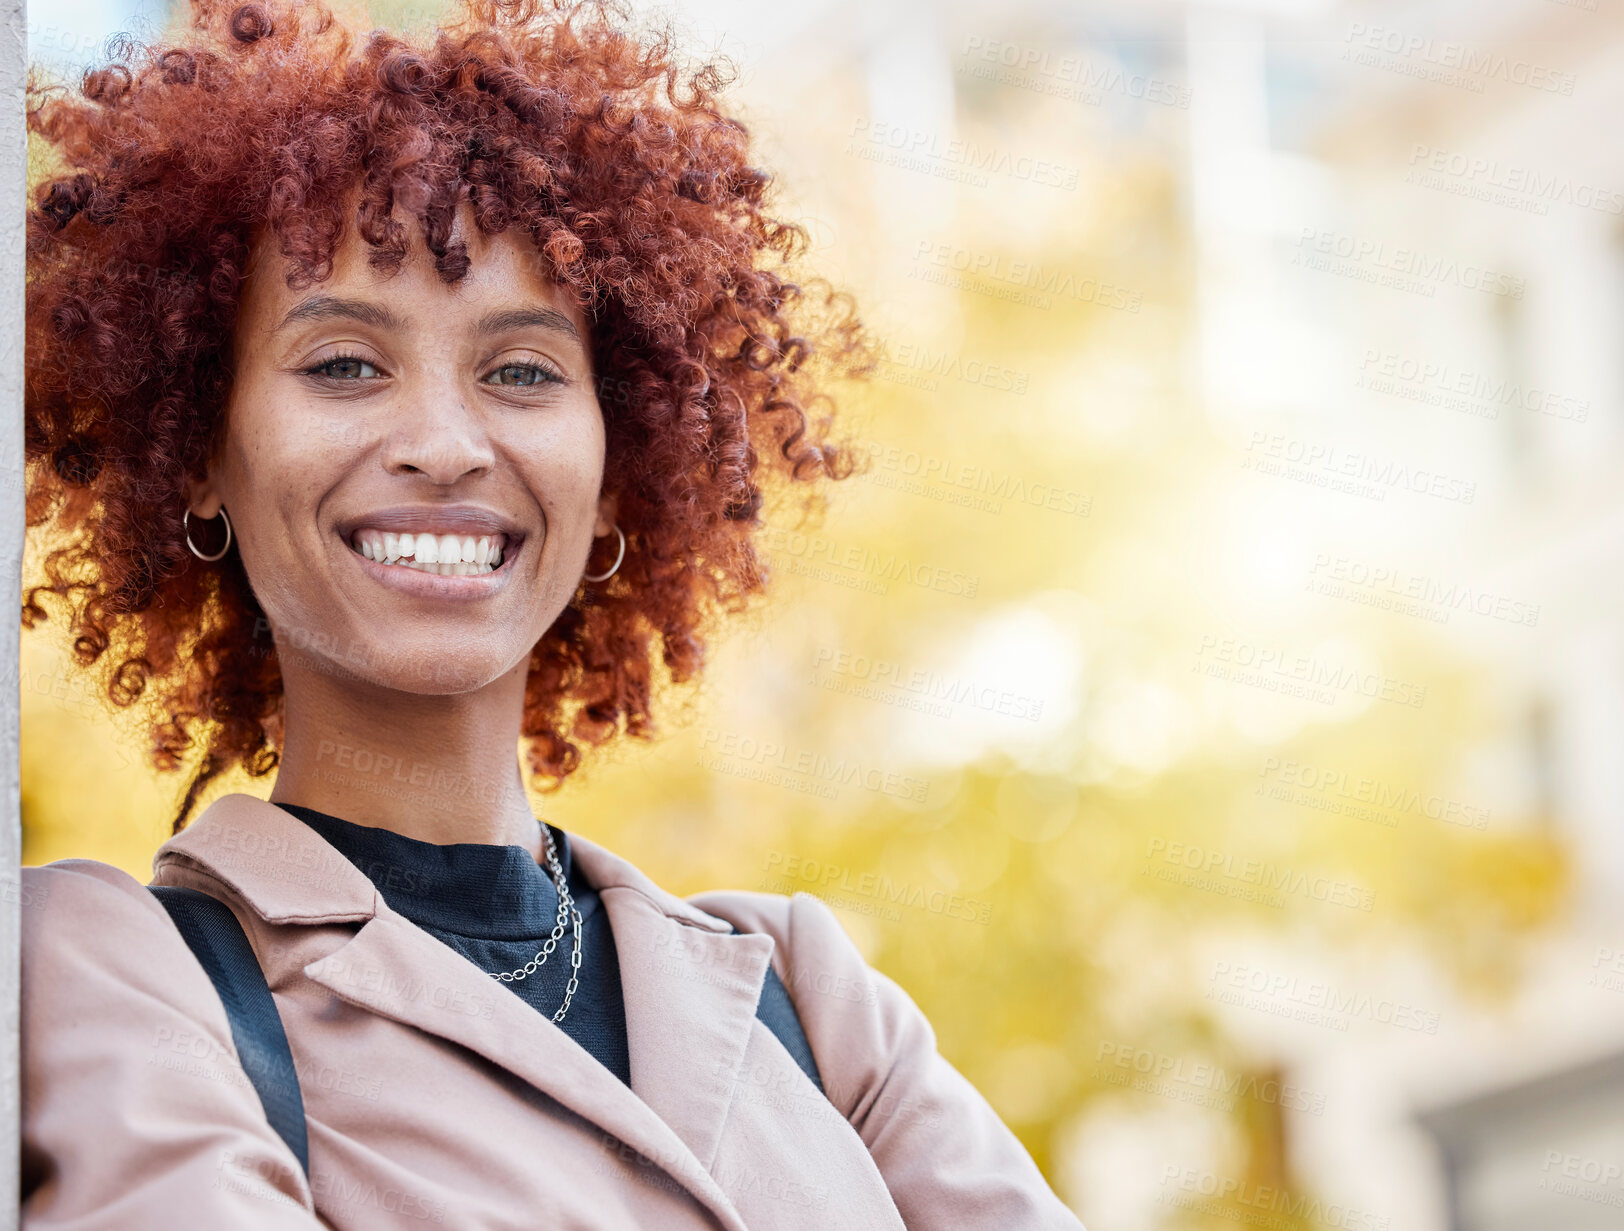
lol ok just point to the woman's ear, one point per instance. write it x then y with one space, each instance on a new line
202 499
608 507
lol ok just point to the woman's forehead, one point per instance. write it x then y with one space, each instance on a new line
505 270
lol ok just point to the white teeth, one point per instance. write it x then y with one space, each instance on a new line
446 555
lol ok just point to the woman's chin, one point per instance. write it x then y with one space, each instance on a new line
423 665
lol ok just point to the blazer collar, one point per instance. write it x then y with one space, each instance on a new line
685 975
288 873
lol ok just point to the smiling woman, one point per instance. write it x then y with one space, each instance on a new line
421 466
615 271
412 336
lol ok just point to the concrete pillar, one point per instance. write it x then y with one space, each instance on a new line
13 163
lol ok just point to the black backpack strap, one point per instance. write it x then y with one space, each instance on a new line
776 1011
214 935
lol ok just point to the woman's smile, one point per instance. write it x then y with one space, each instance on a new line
448 555
457 551
466 579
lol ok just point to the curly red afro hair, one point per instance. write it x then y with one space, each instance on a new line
559 119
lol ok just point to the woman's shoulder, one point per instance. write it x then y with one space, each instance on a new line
936 1140
803 928
86 924
845 1004
77 897
122 1027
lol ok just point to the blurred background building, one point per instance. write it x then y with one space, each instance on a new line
1219 736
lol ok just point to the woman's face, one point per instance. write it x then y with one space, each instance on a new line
374 413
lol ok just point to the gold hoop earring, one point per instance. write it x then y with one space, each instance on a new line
618 558
186 520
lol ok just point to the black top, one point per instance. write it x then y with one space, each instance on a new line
496 906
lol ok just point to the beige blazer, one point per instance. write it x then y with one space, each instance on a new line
435 1096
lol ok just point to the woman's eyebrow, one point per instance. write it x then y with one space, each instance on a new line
327 307
521 318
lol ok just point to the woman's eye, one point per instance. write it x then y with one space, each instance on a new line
521 374
345 369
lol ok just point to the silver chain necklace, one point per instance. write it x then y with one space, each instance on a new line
566 915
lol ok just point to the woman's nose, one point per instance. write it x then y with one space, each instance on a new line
438 436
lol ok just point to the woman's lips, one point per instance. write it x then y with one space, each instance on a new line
420 582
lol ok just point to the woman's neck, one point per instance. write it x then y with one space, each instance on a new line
438 768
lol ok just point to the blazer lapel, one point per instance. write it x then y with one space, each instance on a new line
691 997
396 969
680 1028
